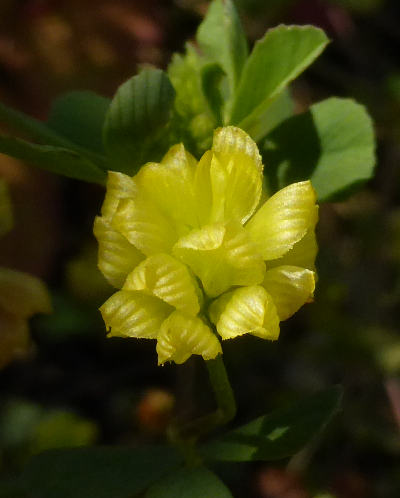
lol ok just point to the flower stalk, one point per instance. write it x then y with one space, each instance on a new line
222 390
186 437
226 404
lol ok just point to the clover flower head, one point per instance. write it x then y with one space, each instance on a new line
190 244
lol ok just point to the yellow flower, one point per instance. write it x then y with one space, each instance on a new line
21 296
190 243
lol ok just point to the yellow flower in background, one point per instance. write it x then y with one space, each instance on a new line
193 243
21 296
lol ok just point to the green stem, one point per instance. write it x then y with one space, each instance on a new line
39 131
226 405
222 389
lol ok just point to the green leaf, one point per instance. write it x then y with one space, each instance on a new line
31 127
79 116
193 121
197 482
332 144
54 159
135 125
212 76
222 39
275 61
98 472
279 434
44 134
281 108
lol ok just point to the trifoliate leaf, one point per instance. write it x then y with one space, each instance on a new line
135 124
222 39
332 144
58 160
275 61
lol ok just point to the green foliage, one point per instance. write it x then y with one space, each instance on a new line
44 134
275 61
123 472
332 144
28 126
193 120
279 434
135 124
281 108
212 76
222 39
79 116
57 160
96 472
197 482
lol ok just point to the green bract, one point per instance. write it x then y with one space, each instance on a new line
193 243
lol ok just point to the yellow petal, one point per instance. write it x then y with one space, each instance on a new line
168 279
283 220
144 226
202 188
14 337
228 179
181 336
117 256
219 188
302 254
119 186
218 305
249 310
290 288
22 294
241 162
169 186
134 314
6 215
221 256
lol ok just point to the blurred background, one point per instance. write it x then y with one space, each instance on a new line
73 386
